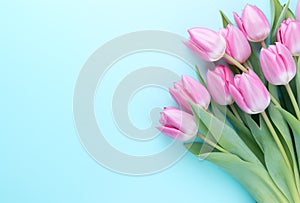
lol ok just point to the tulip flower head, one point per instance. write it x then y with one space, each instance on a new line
250 93
177 124
277 64
253 23
288 34
189 89
237 45
218 81
208 44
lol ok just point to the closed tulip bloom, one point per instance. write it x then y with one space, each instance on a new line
288 34
177 124
237 45
189 89
277 64
208 44
218 81
250 93
253 23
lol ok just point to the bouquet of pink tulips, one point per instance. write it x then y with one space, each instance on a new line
245 116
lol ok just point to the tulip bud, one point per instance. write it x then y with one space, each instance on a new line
249 93
237 45
207 43
253 23
177 124
218 81
288 34
277 64
189 89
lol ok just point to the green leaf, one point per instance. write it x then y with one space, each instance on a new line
244 134
294 124
290 14
276 9
278 22
202 128
284 131
253 176
225 19
255 65
275 163
285 100
202 81
198 148
282 126
274 91
224 134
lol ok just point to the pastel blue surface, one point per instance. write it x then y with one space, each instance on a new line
43 46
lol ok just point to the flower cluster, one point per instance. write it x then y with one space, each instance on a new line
247 82
232 44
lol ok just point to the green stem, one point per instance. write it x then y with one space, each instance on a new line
236 63
274 100
292 186
263 44
293 100
214 145
235 112
276 138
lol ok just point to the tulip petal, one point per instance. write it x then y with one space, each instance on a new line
181 98
239 22
174 133
197 50
255 93
196 91
238 98
216 86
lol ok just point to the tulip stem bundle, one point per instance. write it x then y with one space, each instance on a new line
293 100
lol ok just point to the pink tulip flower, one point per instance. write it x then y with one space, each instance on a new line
177 124
206 43
250 93
277 64
189 89
218 81
288 34
253 23
237 45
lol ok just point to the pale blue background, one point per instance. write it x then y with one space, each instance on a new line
43 45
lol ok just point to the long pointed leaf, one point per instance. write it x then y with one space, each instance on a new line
279 21
224 134
253 176
275 163
294 124
244 133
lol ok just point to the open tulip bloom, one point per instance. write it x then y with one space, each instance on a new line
245 116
